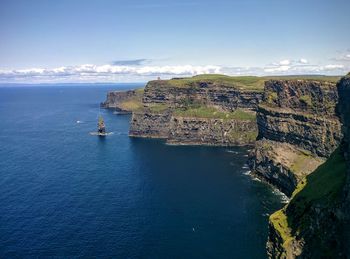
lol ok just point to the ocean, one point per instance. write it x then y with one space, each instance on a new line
67 194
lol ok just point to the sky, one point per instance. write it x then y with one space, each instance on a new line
43 41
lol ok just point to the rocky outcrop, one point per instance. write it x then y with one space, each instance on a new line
315 223
296 121
227 97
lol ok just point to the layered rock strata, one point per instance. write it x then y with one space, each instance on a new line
208 93
296 121
315 223
197 113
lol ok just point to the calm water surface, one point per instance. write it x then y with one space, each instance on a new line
65 193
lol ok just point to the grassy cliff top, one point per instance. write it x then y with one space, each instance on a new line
253 83
133 103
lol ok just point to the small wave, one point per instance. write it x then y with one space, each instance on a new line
245 167
247 172
97 134
233 152
80 122
265 214
284 198
256 179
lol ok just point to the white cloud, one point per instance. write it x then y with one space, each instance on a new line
285 62
277 69
137 73
104 72
343 57
331 67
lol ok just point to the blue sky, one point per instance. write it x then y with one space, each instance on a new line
105 40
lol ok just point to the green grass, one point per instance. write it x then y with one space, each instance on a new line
242 82
250 83
213 113
280 223
245 137
158 108
324 184
299 162
306 99
272 97
322 188
133 103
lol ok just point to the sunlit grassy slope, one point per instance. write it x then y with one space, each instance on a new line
241 82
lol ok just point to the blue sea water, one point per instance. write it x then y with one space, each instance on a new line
67 194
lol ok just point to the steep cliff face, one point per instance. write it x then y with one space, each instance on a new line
201 92
206 110
317 133
344 112
302 95
315 223
281 164
297 122
124 101
215 132
150 124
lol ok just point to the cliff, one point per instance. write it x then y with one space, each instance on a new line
225 94
202 110
298 130
344 114
315 223
124 101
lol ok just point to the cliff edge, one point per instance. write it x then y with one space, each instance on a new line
315 223
298 130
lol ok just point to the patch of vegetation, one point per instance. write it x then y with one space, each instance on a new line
280 224
306 99
158 108
322 188
131 105
249 83
272 97
320 78
245 137
213 113
299 162
324 184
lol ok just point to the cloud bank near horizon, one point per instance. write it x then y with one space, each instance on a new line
136 71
